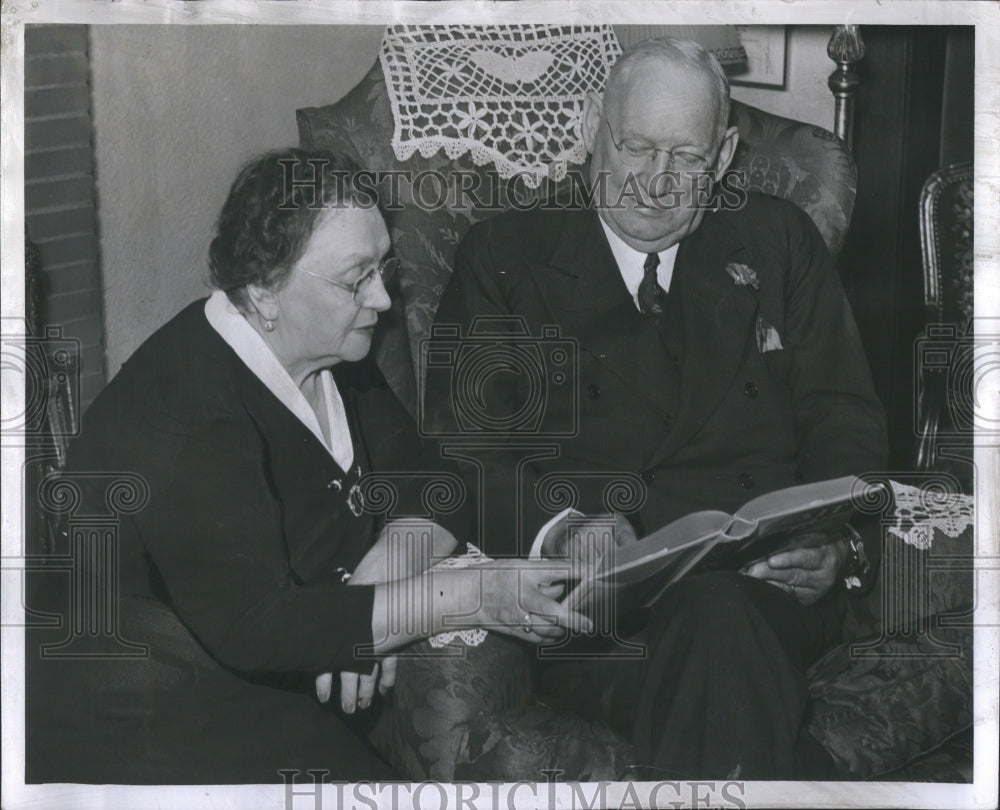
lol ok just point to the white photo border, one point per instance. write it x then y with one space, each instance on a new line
981 793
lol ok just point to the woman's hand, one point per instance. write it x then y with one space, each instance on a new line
385 556
806 573
518 597
357 690
514 596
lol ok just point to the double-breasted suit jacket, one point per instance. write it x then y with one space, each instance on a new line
742 388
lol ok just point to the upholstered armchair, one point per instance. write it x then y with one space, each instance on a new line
873 713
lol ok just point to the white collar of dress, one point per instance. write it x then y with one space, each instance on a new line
256 355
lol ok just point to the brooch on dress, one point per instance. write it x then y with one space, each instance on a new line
355 498
743 276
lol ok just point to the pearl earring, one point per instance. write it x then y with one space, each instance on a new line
269 324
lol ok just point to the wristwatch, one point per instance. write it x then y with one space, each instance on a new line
856 565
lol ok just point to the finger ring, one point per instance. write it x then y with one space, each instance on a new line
526 623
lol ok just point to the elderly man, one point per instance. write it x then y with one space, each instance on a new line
717 360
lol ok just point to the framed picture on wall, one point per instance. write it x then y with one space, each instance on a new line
765 48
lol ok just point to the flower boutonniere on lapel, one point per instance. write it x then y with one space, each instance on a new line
743 276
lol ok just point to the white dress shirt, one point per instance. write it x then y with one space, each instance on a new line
631 261
251 348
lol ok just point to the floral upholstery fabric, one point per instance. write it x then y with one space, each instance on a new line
951 761
871 713
875 713
913 586
805 164
901 684
465 713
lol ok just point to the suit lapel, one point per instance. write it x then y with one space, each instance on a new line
584 289
712 318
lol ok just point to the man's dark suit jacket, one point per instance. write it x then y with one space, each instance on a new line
695 409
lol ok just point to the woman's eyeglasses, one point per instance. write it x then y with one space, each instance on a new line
360 287
639 152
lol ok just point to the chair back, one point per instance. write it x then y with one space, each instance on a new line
946 352
946 241
51 393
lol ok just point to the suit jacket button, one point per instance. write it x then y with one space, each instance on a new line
746 481
647 475
751 390
593 391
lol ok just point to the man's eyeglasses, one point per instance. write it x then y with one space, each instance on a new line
638 152
360 287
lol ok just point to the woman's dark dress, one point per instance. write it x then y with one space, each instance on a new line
231 574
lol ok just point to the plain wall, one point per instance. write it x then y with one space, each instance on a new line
178 109
806 95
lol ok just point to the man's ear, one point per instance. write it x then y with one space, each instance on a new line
727 151
590 122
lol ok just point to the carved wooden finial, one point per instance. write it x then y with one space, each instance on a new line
846 48
846 45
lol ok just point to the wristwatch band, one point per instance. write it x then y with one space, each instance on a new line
856 566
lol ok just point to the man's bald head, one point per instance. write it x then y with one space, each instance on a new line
661 58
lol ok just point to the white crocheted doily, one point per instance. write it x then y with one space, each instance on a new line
510 95
921 512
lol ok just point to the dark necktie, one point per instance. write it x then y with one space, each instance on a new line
651 295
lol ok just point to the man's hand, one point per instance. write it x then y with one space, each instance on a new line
357 690
807 573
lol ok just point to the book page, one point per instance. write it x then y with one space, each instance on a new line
690 530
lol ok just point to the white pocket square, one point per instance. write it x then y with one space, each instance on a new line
768 339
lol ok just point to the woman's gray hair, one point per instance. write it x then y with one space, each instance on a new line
674 52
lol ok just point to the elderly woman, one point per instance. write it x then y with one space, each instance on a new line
252 416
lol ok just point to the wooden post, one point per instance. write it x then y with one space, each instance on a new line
846 48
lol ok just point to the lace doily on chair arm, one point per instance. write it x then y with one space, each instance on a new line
921 512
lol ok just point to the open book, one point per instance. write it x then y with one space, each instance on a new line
605 571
